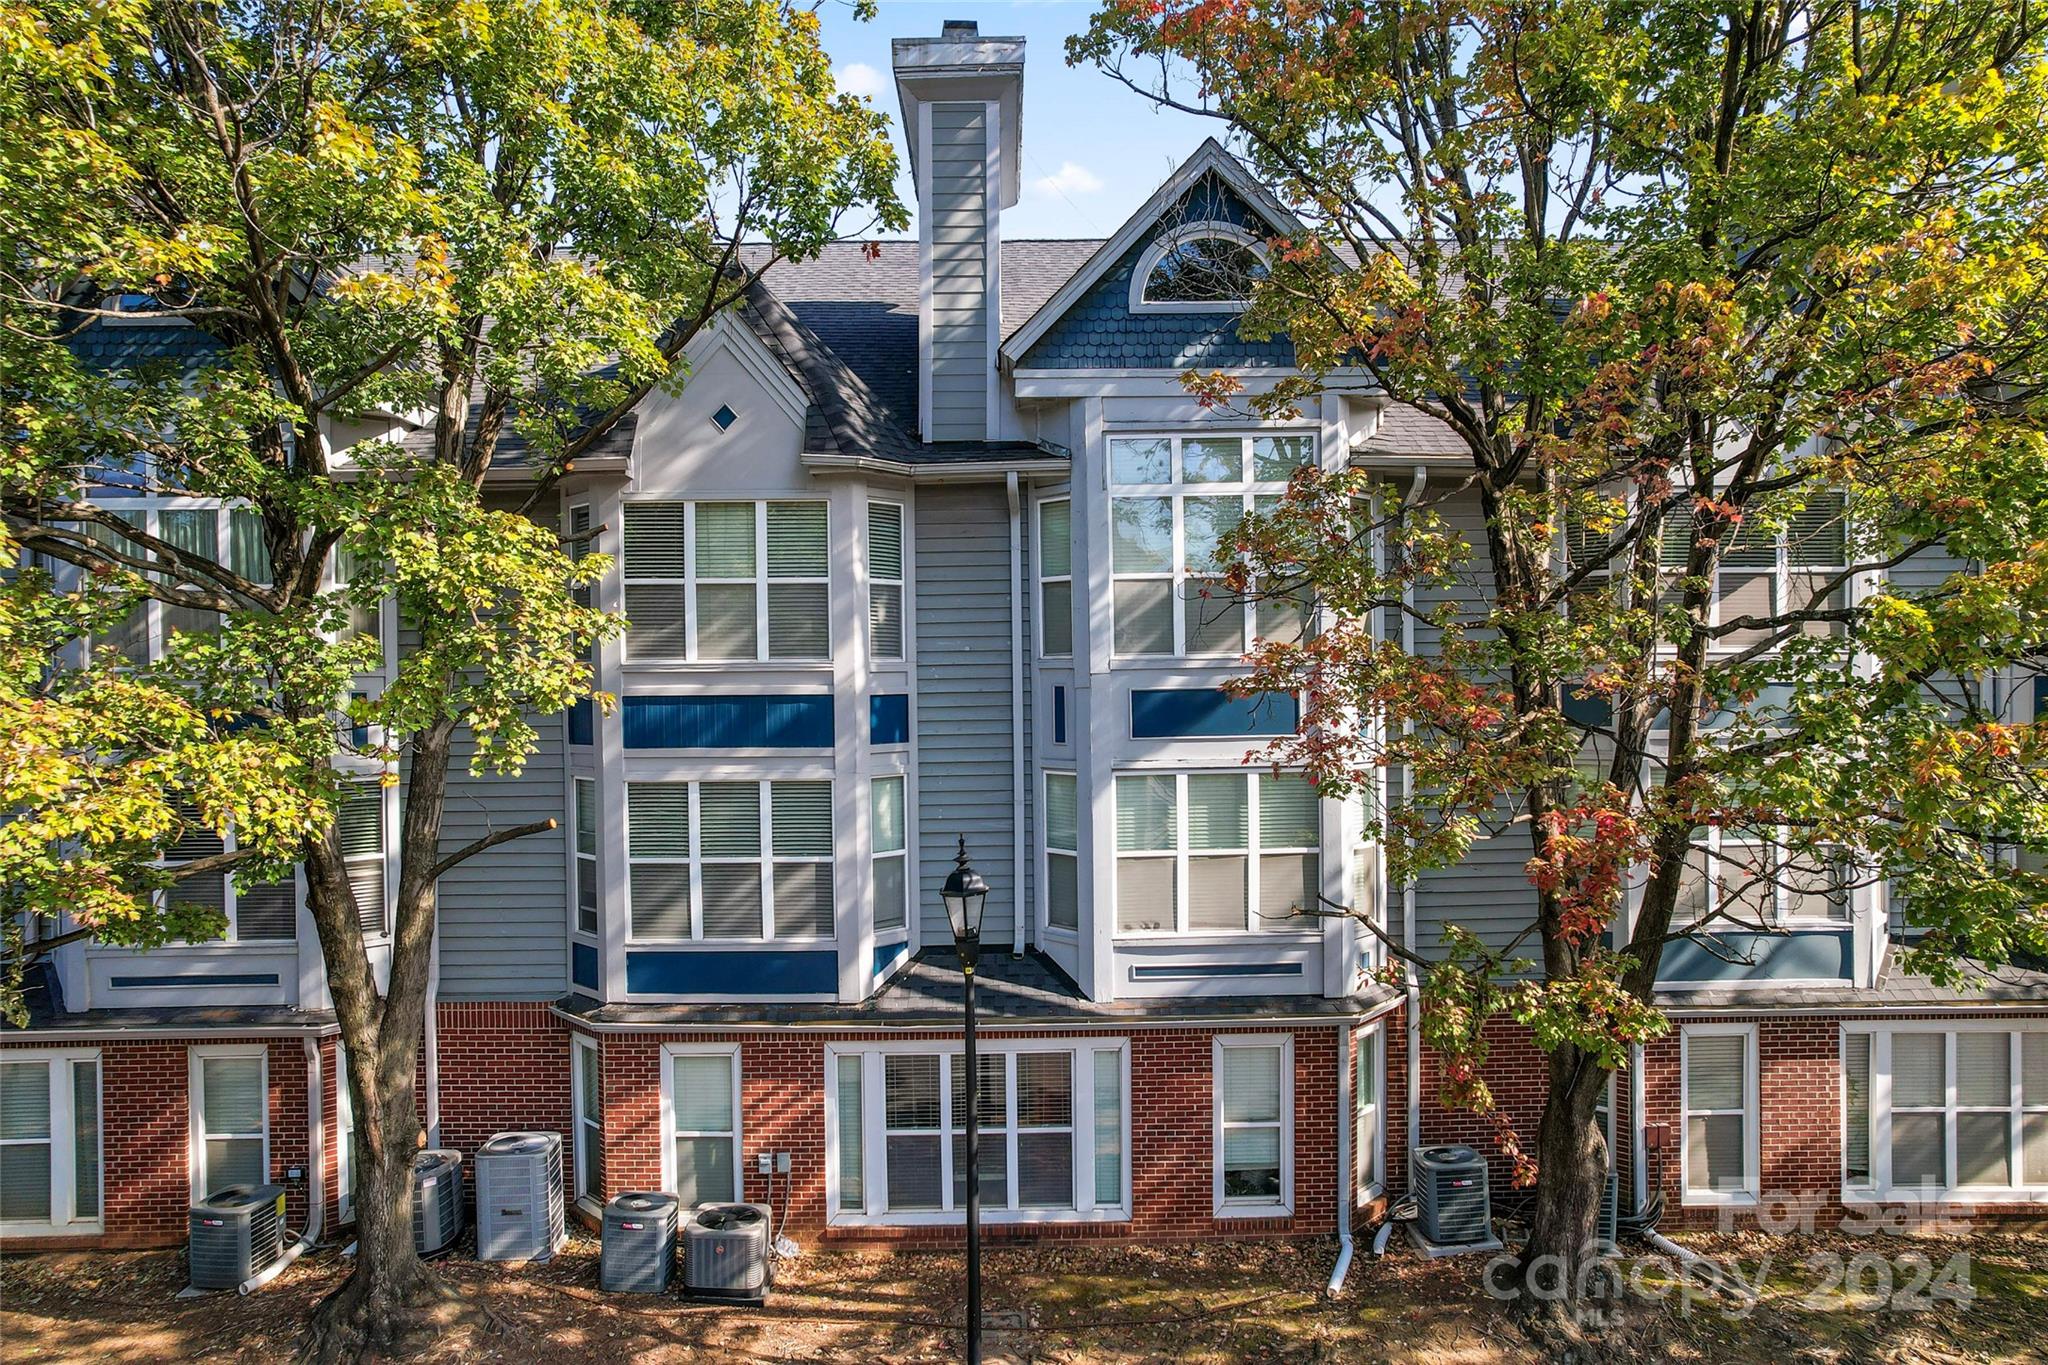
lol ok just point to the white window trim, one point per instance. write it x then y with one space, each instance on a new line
696 860
1710 839
1181 854
1370 1167
1044 578
1158 248
874 1141
879 581
1046 853
64 1220
231 900
584 1054
691 581
669 1132
149 508
1880 1189
1224 1207
1176 490
387 854
578 858
196 1103
1751 1116
876 854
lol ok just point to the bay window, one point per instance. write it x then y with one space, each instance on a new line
727 581
1766 573
885 580
49 1141
1051 1120
196 530
586 856
1056 577
729 860
1175 503
886 812
360 825
1062 860
1216 852
254 911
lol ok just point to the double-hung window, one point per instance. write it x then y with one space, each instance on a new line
1718 1066
729 860
1216 852
230 1118
1175 503
1052 1131
885 580
1254 1138
701 1097
254 911
586 856
727 581
360 824
1771 573
1968 1111
886 815
1062 858
1741 882
196 531
1056 577
49 1141
1368 1064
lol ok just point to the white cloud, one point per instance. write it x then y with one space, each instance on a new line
1070 178
858 78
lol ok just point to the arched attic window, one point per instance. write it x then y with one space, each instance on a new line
1198 268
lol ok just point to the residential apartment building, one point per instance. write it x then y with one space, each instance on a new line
915 557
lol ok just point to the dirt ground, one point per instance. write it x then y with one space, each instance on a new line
1078 1303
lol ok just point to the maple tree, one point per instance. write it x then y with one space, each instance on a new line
1732 606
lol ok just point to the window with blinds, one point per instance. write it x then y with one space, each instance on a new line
1056 578
729 860
231 1101
1175 503
1216 853
1968 1112
589 1122
730 581
887 820
359 825
1252 1123
586 856
1856 1143
885 580
703 1104
254 911
197 532
1062 861
1050 1122
1720 1111
1368 1059
1767 572
49 1140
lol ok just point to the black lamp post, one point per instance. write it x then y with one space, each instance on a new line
965 895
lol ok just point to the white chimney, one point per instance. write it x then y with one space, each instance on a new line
960 94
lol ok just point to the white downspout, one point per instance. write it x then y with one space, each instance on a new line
316 1143
1345 1165
1020 913
1413 1007
432 1040
1640 1123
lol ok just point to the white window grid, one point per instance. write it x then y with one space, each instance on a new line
1091 1204
1764 891
1055 590
1054 853
1250 493
1241 1206
1751 1129
1182 855
2026 1108
1790 570
232 892
885 586
690 581
766 860
670 1176
61 1072
155 620
201 1134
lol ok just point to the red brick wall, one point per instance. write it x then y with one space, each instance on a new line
781 1078
504 1066
145 1102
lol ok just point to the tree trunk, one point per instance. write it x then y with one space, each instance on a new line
1560 1283
387 1303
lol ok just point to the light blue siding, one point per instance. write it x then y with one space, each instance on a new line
960 368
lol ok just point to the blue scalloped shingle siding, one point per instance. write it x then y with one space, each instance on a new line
127 346
1101 332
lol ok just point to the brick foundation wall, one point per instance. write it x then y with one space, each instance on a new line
504 1067
781 1078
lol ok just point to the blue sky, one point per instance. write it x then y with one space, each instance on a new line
1093 151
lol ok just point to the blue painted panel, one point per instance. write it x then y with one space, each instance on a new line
1826 955
583 723
196 979
889 718
1203 971
729 722
888 955
1208 713
724 973
1059 715
583 965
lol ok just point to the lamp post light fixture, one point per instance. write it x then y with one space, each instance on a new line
965 894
